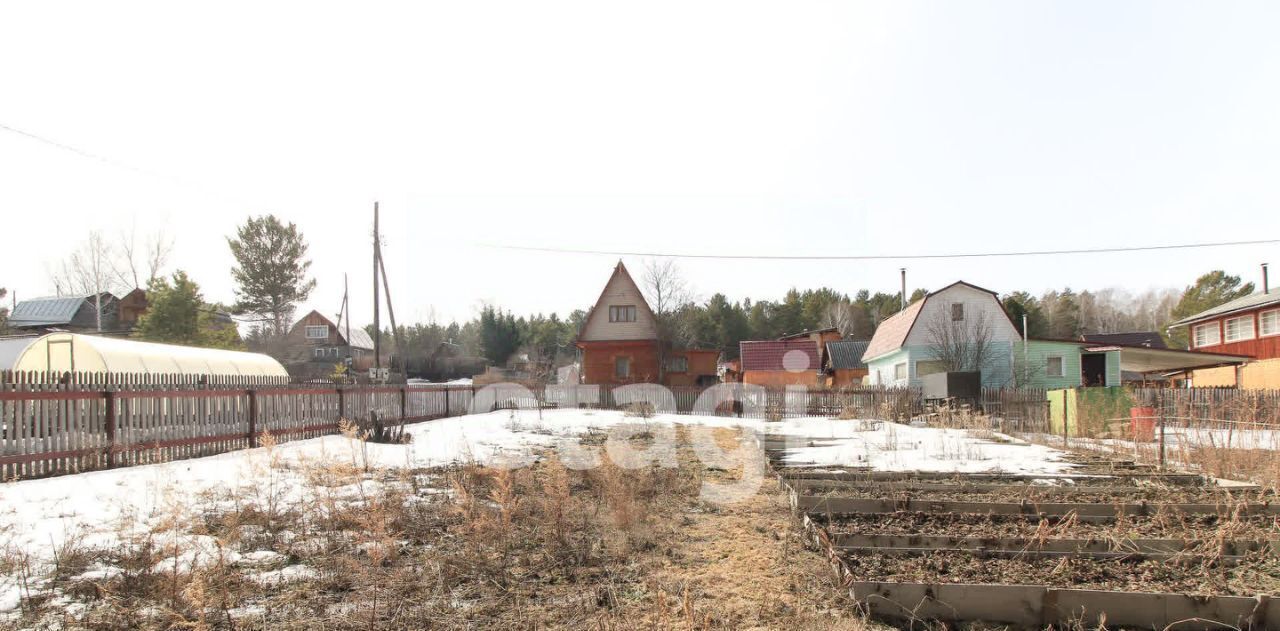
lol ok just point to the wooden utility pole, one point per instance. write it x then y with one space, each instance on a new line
377 324
391 312
346 309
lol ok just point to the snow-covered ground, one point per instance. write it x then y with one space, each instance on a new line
103 508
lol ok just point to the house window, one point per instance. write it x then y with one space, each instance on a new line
1207 334
930 367
1053 367
678 364
1240 328
957 312
900 371
317 353
1270 322
318 332
622 367
622 313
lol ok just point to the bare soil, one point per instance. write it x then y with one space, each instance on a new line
1175 526
1260 574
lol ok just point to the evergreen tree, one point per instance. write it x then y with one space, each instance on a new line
499 334
270 271
177 314
1209 291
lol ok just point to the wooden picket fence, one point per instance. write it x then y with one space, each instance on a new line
53 424
67 423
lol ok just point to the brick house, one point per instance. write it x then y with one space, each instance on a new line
619 343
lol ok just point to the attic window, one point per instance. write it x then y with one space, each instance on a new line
318 332
622 313
957 312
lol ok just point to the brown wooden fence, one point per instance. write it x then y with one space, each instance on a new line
53 424
63 423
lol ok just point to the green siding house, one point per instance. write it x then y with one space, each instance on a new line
906 347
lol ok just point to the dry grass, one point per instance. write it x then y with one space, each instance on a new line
471 547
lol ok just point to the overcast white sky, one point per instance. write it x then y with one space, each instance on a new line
720 127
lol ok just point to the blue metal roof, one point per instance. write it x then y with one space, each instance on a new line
49 311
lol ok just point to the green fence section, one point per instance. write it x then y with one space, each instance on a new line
1090 412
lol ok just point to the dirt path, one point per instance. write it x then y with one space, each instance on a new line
744 566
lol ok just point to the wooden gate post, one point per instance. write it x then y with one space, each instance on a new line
253 418
447 410
109 397
1160 420
342 407
403 400
1066 440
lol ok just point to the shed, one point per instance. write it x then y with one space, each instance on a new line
844 362
71 352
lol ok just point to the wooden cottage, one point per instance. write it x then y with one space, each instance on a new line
620 343
315 345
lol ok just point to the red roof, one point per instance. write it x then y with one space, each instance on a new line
769 354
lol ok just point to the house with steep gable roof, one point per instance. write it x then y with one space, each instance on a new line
620 342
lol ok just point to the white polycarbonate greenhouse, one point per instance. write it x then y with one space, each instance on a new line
70 352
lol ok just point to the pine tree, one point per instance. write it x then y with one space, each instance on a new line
177 314
1209 291
271 270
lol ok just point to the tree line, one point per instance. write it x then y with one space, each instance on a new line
272 277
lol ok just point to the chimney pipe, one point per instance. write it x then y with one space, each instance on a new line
904 287
1266 288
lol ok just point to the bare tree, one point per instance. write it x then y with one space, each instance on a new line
841 315
666 292
90 270
149 257
961 341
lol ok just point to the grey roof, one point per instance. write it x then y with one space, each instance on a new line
48 311
1150 339
1244 303
847 354
359 339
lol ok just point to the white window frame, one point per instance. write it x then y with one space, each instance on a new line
622 313
1241 336
679 363
900 371
1275 323
1212 327
1062 366
317 352
322 329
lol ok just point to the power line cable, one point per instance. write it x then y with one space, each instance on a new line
880 257
124 165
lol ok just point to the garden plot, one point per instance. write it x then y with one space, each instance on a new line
1085 541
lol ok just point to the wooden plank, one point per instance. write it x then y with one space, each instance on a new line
822 504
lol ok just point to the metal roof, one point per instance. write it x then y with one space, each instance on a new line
789 355
47 311
1243 303
1150 339
359 338
847 354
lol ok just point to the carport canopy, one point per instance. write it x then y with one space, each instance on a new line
1163 360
